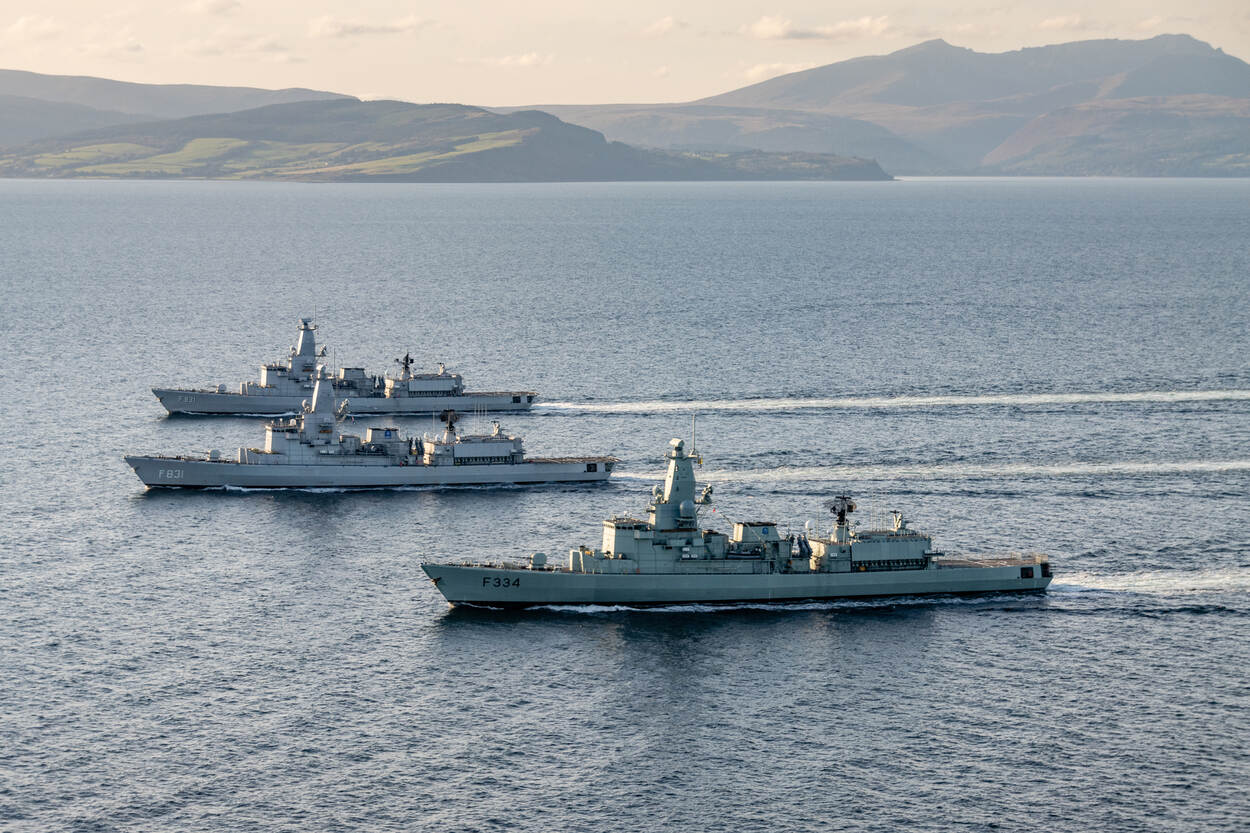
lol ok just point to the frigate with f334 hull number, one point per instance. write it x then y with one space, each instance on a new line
666 559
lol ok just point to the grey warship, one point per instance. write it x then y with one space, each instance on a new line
666 559
303 452
285 384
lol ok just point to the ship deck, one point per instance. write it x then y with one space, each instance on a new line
359 458
377 392
1010 559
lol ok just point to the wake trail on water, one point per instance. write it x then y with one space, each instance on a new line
956 471
1156 582
888 402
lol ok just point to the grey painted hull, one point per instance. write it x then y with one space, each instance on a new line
172 472
520 587
210 402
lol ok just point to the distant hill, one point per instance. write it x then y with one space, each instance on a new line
710 127
1165 106
26 119
936 73
147 101
349 140
1173 136
938 108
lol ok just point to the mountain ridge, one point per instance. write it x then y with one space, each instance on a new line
929 108
154 101
947 108
346 139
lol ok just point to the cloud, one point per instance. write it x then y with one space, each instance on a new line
123 45
337 27
260 47
762 72
32 27
781 28
979 28
662 72
663 26
1149 24
214 7
1064 23
528 59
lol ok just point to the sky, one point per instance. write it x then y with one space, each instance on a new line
547 51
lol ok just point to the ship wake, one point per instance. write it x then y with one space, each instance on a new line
957 471
782 404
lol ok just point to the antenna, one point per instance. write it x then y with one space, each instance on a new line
841 506
406 363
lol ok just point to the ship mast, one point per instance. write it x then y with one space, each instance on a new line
406 363
842 505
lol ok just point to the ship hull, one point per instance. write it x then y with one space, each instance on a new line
213 403
521 588
181 473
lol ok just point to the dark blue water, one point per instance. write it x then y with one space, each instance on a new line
1047 365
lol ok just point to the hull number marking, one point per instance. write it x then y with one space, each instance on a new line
487 581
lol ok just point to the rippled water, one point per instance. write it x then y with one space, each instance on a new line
1046 365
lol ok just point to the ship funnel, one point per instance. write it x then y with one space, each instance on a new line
323 397
307 341
676 507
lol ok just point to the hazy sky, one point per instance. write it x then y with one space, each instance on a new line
546 51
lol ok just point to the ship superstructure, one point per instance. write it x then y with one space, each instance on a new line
285 384
667 559
309 452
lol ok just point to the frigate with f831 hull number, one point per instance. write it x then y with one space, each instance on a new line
666 559
284 385
303 452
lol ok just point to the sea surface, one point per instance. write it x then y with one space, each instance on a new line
1041 365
